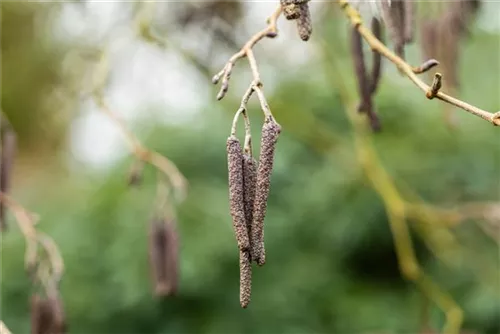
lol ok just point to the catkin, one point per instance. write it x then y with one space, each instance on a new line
304 22
360 68
58 323
245 278
376 57
270 134
249 185
6 160
163 255
409 7
236 201
47 316
291 9
393 19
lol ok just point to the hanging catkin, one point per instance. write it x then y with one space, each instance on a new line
249 185
291 9
245 278
409 7
270 134
304 22
163 257
47 316
376 57
392 14
236 201
6 160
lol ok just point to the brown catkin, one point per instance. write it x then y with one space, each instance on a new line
376 57
163 255
409 7
58 324
245 278
392 16
236 201
249 185
270 134
291 9
6 160
304 22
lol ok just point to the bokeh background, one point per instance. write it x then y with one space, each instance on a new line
331 264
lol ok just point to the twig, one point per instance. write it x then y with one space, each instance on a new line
26 221
270 31
142 153
355 19
3 328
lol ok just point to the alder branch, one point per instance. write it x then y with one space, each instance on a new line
3 328
26 222
143 154
270 31
376 45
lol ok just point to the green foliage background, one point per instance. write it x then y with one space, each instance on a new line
331 266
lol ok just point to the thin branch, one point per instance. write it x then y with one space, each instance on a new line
26 221
142 153
355 19
270 31
4 329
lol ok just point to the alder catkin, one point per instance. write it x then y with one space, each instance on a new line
360 69
409 7
236 201
304 22
245 278
270 134
249 185
376 56
392 15
291 9
58 323
6 160
163 255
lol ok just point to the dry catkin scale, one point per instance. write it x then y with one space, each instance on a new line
236 201
270 134
245 278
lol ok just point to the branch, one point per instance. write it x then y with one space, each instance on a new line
3 328
159 161
27 221
376 45
270 31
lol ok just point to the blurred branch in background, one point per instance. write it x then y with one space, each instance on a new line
399 209
355 19
44 268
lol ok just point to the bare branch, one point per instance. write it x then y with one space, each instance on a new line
355 19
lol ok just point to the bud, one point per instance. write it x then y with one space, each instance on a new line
270 134
163 256
236 201
245 279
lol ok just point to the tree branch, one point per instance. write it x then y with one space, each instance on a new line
376 45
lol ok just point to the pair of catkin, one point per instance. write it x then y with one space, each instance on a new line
8 146
399 18
367 84
163 256
47 315
249 185
298 10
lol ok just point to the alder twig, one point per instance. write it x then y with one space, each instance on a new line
35 240
3 328
355 19
270 31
